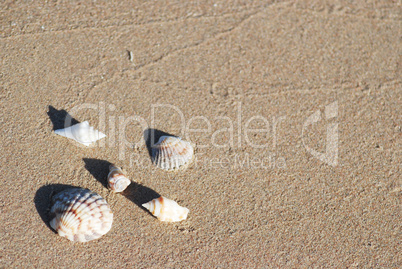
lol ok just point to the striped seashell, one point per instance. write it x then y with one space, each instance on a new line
80 215
117 180
166 210
171 152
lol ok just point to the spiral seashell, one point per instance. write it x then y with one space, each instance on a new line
166 210
80 215
82 133
117 180
171 152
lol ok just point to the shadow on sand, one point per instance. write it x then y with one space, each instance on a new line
43 198
136 193
60 118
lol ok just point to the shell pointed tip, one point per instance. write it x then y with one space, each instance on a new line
146 205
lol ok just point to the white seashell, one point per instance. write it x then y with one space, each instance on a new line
80 215
166 210
82 133
116 179
171 152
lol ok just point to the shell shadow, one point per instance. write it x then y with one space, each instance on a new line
99 169
60 118
139 194
151 137
43 199
135 192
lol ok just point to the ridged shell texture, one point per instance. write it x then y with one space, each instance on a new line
171 152
80 215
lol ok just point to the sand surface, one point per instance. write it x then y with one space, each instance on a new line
294 107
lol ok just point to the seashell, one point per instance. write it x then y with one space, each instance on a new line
80 215
166 210
171 152
82 133
117 180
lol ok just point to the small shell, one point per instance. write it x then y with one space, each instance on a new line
82 133
166 210
171 152
116 179
80 215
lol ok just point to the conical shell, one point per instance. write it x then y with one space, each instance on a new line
171 152
166 210
82 133
80 215
117 180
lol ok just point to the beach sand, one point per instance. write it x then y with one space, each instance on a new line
294 107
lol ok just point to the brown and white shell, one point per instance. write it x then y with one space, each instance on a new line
171 152
166 210
80 215
116 179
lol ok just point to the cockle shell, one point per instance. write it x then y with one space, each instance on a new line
80 215
166 210
117 180
171 152
82 133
